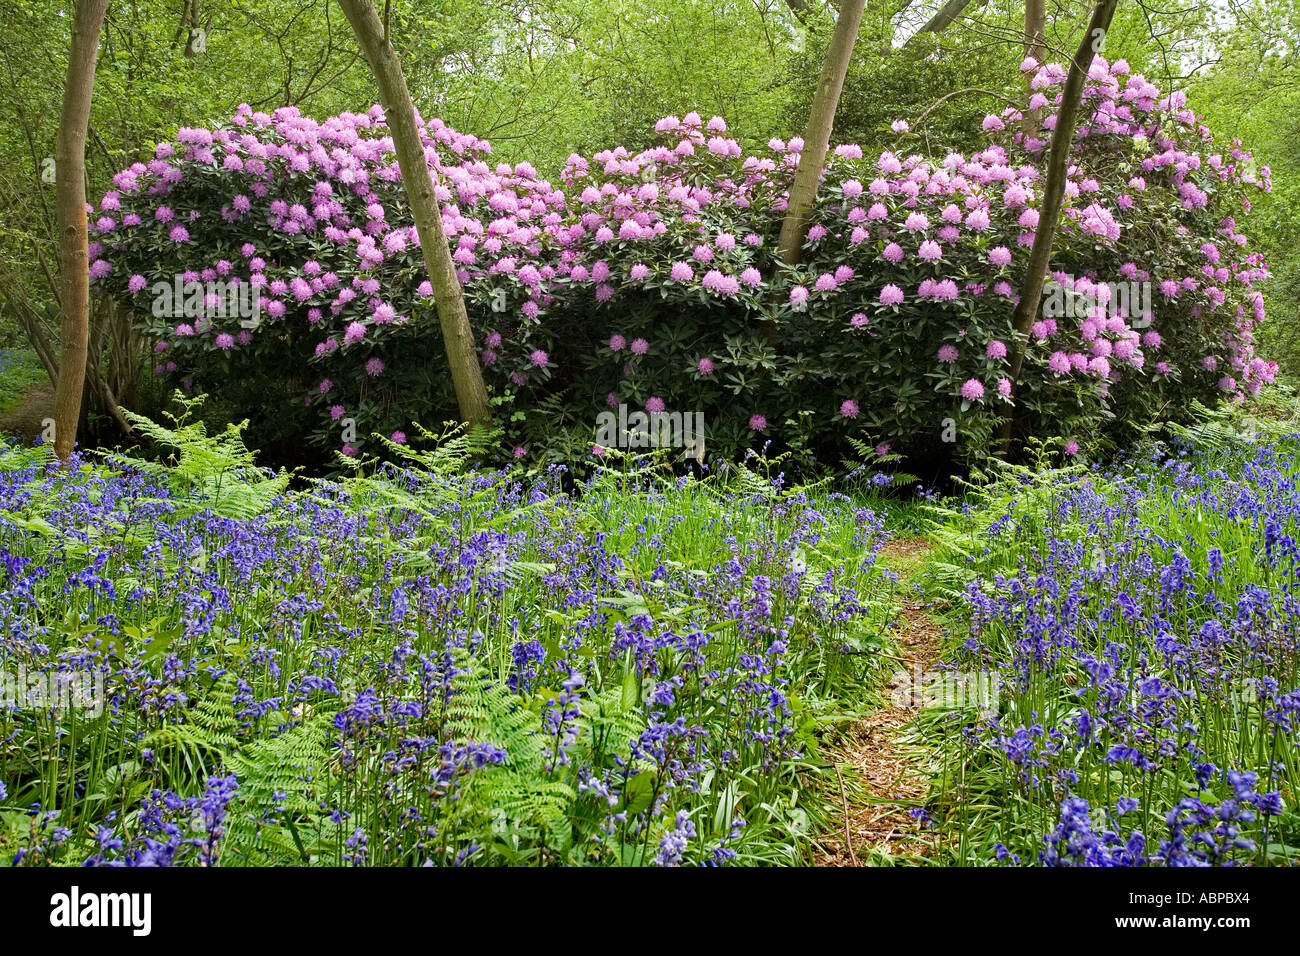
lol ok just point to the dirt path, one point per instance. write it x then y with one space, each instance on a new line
25 419
878 819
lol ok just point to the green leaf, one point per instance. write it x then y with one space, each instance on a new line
631 696
638 793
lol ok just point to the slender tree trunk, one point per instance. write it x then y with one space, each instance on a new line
1036 47
794 228
70 192
458 338
1031 289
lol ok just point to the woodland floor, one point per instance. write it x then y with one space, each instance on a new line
883 781
888 782
24 420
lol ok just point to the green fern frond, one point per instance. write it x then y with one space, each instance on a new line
208 472
283 772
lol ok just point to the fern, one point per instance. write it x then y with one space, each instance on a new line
868 458
281 772
208 472
19 457
200 751
748 483
214 714
454 451
529 790
1225 429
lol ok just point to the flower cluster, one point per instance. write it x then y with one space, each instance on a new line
325 678
1143 630
651 276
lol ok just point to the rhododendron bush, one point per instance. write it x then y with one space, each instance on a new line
648 278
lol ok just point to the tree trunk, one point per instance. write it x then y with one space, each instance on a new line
1031 289
1035 46
943 17
70 192
458 338
794 228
